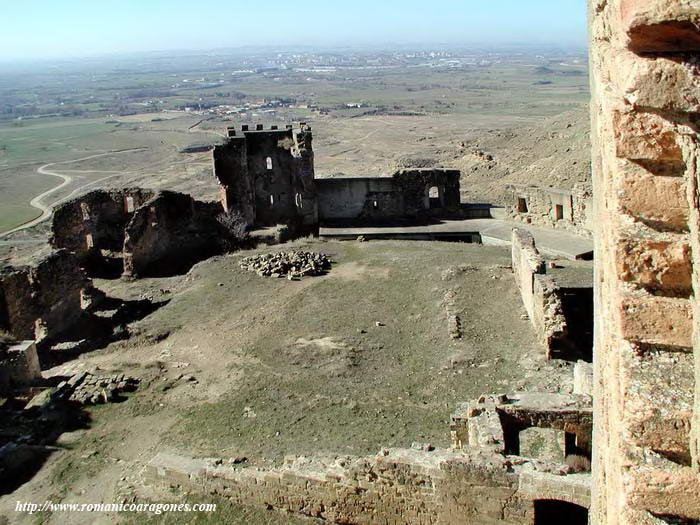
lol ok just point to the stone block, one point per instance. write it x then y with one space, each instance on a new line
19 366
583 378
662 264
546 444
672 491
663 83
661 26
656 320
645 137
658 400
659 202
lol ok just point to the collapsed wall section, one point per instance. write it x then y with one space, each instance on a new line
645 107
94 223
43 301
170 233
133 231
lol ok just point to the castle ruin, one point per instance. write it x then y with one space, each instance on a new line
626 439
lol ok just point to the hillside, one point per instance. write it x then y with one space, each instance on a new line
555 153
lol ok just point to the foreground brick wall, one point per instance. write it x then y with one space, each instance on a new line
645 107
478 481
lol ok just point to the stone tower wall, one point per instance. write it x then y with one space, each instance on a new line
645 114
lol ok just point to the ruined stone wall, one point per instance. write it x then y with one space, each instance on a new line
61 286
539 293
415 186
268 175
405 195
397 487
95 221
494 423
170 233
474 482
551 207
19 366
645 107
45 300
231 170
358 198
19 309
135 231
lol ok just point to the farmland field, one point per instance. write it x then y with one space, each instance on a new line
133 119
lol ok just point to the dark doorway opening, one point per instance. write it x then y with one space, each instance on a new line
555 512
577 306
558 212
522 205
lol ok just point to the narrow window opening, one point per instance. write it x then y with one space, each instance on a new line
272 200
522 205
375 204
558 212
434 200
268 162
129 205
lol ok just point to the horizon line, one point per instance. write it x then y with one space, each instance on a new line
387 46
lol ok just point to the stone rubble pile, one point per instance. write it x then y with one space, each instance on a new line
295 264
90 389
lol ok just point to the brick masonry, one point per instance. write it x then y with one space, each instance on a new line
646 89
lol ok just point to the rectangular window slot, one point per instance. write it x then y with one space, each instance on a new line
522 205
558 212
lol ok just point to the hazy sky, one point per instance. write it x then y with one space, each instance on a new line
56 28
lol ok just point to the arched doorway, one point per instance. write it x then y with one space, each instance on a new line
434 198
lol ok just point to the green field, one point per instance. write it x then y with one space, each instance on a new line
27 145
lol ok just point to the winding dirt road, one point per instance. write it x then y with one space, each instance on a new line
46 210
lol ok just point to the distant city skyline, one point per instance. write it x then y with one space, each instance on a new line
76 28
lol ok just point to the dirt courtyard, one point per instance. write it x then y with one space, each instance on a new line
255 368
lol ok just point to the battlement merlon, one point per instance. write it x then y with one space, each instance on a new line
232 131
